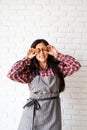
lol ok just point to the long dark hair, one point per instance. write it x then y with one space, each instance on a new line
52 63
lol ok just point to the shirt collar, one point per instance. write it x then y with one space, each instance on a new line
44 69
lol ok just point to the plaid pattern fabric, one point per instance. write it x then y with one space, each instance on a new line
68 66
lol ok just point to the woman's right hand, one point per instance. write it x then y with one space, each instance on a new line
31 53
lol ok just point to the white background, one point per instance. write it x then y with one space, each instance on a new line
63 23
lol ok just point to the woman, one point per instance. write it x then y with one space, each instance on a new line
44 70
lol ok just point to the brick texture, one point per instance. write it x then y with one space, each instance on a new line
62 23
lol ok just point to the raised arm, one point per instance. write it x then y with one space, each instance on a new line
68 64
19 71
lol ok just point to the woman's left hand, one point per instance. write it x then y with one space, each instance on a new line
52 50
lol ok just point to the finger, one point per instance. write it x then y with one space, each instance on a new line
32 51
49 53
50 47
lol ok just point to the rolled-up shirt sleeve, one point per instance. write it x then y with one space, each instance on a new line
19 71
68 65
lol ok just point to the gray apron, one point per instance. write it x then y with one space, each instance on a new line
42 110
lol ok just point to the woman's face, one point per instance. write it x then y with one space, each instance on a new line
42 54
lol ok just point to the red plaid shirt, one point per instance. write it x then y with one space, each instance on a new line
68 66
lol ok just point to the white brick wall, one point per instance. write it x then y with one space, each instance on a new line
64 24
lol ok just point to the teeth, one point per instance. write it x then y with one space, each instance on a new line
42 56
